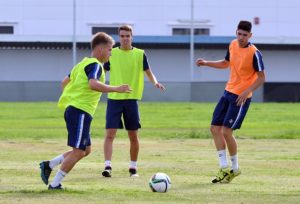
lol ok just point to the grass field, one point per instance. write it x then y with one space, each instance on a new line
175 139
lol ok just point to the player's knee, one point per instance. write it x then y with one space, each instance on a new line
87 152
227 133
134 142
109 137
78 153
133 138
215 130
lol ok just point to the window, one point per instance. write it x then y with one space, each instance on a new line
108 30
6 29
187 31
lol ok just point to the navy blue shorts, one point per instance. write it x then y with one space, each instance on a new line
228 114
78 124
130 111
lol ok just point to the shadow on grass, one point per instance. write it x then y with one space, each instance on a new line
41 192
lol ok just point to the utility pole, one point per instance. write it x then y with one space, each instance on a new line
192 42
74 48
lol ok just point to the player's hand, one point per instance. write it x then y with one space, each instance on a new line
201 62
124 89
160 86
242 98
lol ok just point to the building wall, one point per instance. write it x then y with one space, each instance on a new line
55 17
35 74
176 91
34 64
170 65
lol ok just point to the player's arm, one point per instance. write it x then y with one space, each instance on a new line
104 88
219 64
94 71
257 83
151 77
64 82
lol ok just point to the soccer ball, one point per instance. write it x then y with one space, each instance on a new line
160 182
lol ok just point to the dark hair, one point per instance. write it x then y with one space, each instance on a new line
125 27
101 38
245 25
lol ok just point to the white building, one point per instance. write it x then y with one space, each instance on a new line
271 18
36 43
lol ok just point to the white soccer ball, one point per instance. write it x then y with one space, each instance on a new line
160 182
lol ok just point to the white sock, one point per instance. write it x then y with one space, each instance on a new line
58 178
222 158
234 162
133 165
107 163
56 161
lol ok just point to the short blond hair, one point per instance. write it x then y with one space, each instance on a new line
101 38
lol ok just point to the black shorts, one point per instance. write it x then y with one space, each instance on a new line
130 111
78 123
227 113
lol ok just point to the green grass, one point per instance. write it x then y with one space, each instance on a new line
175 139
159 120
270 173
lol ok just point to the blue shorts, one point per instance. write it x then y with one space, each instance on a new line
130 111
228 114
78 125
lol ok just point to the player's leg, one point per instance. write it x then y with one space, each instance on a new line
230 140
134 151
134 145
221 152
58 160
132 124
47 166
108 150
108 143
87 151
78 125
220 144
233 120
113 122
69 162
219 140
232 148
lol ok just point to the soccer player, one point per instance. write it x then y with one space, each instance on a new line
127 64
246 75
82 90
